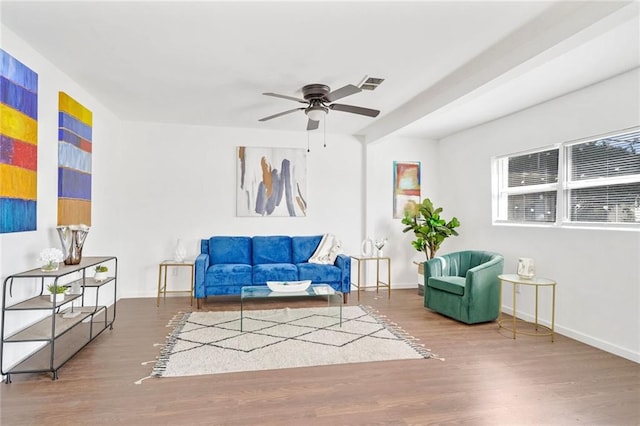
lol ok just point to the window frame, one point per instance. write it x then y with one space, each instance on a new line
563 188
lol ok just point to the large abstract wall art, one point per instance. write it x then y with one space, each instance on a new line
74 162
406 187
18 145
271 182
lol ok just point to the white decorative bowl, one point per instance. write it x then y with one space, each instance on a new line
288 286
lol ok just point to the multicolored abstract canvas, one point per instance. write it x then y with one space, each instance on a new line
271 182
18 145
74 161
406 187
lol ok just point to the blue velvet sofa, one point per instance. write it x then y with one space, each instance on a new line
226 264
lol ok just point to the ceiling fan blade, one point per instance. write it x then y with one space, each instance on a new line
342 92
291 98
280 114
312 125
355 109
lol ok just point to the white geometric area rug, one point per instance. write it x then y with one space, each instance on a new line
212 343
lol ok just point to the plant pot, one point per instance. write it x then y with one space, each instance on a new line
100 276
58 297
420 278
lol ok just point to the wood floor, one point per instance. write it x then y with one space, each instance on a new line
487 378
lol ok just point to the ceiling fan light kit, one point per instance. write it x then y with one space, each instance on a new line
319 100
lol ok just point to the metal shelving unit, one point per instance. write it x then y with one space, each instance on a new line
67 328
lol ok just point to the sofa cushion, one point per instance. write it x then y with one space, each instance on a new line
273 249
229 274
319 273
453 285
274 272
303 247
230 250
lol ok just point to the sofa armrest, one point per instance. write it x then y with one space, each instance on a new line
202 264
344 263
483 276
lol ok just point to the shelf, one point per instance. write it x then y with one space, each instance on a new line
41 330
41 302
91 282
59 338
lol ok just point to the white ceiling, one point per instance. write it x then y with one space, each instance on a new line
447 65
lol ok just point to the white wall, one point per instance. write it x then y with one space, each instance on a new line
598 300
19 251
379 202
179 182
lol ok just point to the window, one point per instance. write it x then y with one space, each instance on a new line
527 187
592 182
603 179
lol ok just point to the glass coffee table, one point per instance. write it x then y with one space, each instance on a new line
251 293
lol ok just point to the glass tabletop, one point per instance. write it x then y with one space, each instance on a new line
264 291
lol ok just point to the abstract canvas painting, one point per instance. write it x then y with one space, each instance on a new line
271 182
74 161
406 187
18 145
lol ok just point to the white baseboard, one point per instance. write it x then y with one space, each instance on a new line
580 337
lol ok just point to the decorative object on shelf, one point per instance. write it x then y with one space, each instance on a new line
428 227
72 238
288 286
406 187
180 252
101 273
526 268
366 248
380 242
50 259
57 292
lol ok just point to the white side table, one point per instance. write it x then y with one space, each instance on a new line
162 277
537 282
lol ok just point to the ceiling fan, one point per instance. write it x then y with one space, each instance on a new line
319 100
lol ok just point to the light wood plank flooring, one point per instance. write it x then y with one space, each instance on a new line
487 378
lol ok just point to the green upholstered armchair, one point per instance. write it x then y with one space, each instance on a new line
464 285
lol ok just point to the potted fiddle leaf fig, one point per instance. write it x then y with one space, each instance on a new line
429 228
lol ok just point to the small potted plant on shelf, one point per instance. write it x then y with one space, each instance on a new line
101 273
57 292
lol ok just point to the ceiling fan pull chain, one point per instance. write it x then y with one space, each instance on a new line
308 142
324 131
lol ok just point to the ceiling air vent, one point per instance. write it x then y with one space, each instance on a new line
370 83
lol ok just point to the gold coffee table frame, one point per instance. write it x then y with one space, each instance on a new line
362 260
537 282
162 278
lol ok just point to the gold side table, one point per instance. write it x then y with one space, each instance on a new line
162 278
360 260
537 282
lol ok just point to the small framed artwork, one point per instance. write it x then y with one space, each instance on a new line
406 187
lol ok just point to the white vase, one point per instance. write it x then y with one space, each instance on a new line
59 297
180 252
367 247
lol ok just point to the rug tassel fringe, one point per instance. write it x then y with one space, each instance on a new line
139 382
177 322
400 333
